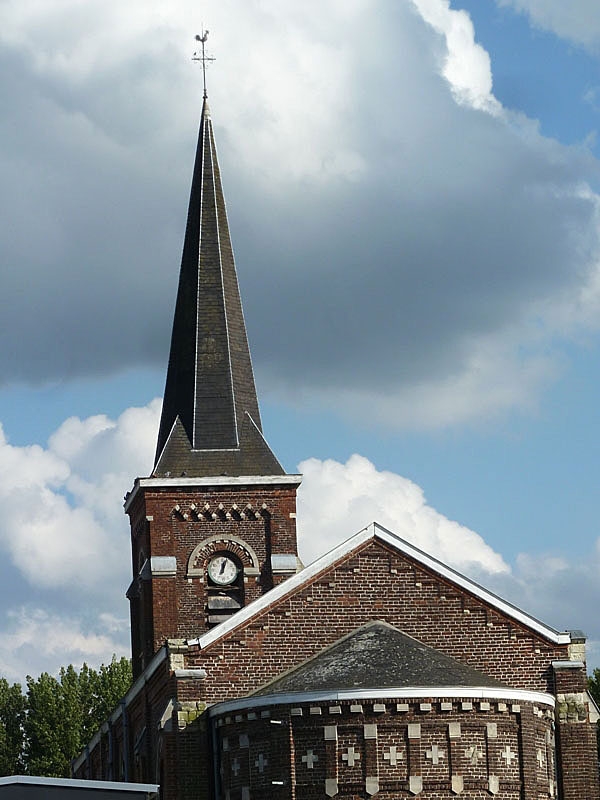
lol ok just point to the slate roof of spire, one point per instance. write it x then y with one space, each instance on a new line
210 422
377 656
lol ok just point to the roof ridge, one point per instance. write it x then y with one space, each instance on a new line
376 531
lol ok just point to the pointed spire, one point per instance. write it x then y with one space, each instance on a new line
210 422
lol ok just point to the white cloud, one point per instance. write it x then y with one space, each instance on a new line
61 518
336 500
493 380
63 530
64 541
576 20
36 640
466 64
402 332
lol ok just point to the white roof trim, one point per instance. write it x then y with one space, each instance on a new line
466 583
73 783
160 455
593 707
213 158
376 531
217 480
296 698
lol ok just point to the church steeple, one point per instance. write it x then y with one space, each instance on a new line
214 526
210 422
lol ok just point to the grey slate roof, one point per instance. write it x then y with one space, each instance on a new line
210 423
378 656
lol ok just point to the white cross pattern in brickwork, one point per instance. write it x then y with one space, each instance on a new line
435 754
473 754
541 758
235 766
261 762
392 755
508 755
310 759
351 756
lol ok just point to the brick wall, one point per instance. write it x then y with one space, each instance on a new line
376 582
576 737
391 748
192 524
373 582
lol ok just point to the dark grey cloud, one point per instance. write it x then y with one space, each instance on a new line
441 226
560 593
90 234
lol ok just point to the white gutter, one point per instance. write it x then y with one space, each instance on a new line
437 692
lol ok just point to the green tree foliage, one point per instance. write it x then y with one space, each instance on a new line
110 683
42 730
12 719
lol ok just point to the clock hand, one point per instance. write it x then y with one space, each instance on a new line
222 570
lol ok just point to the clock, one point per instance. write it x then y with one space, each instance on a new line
222 570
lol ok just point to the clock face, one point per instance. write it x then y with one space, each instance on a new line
222 570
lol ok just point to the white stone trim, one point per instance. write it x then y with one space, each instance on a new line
217 480
284 563
163 566
371 532
225 539
296 698
568 665
199 674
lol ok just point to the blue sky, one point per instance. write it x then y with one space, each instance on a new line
416 235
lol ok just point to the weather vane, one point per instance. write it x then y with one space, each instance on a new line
202 57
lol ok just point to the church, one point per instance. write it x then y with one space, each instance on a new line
376 671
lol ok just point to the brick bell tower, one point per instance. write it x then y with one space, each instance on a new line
214 526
